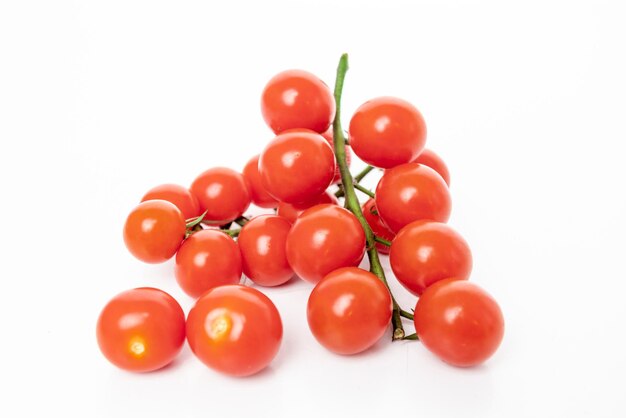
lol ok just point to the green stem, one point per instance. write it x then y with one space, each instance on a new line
241 221
364 190
231 232
382 241
405 314
363 173
190 223
411 337
352 202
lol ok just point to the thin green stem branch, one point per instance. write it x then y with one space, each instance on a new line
363 173
405 314
364 190
411 337
352 202
382 241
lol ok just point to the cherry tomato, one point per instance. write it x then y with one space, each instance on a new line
349 310
207 259
262 244
223 193
425 252
141 330
297 99
291 211
386 132
410 192
235 330
154 230
258 194
434 161
178 195
459 322
324 238
296 167
378 227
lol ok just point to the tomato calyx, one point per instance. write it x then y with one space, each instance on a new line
198 224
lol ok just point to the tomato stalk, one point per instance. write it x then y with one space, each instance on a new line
352 202
357 179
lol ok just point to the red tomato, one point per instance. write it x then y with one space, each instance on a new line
386 132
324 238
259 195
141 330
292 211
411 192
223 193
207 259
154 230
459 322
178 195
378 227
262 244
349 310
295 167
235 330
434 161
297 99
425 252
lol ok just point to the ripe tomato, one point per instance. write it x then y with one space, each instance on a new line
295 167
235 330
434 161
386 132
459 322
378 227
291 211
258 194
207 259
425 252
297 99
410 192
324 238
178 195
141 330
154 230
223 193
349 310
262 244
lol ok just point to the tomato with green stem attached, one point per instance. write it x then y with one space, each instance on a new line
222 193
378 226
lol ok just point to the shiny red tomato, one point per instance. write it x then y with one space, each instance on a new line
349 310
459 322
434 161
425 252
235 330
223 193
324 238
297 99
378 227
207 259
386 132
411 192
141 330
258 194
296 167
262 243
154 230
291 211
180 196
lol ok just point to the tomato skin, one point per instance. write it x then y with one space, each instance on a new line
222 193
297 99
291 211
370 212
459 322
141 330
260 197
349 310
154 230
180 196
431 159
296 167
207 259
324 238
411 192
425 252
235 330
262 243
387 131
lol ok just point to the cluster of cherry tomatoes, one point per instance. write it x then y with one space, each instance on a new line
236 329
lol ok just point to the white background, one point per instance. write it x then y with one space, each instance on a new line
526 102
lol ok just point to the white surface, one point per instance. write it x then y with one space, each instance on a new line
101 100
